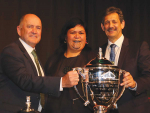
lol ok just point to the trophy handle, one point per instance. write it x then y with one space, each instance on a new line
123 89
78 69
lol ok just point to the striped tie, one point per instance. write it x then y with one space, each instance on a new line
40 74
112 53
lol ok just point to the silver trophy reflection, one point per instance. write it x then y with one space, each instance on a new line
100 80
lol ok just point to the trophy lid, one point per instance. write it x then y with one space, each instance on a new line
100 61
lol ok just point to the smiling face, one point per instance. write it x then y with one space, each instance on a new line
30 29
113 27
76 39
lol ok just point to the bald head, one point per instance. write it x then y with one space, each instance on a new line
30 29
25 17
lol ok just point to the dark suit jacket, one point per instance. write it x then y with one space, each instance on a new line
135 58
19 78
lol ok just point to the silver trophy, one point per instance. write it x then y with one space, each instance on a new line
100 80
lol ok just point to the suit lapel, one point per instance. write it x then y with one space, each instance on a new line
123 53
27 56
104 49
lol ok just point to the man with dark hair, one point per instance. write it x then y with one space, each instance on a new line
21 73
131 56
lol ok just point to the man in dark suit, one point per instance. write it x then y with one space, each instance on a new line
131 56
21 75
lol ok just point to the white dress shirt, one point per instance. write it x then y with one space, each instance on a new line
117 49
29 49
117 53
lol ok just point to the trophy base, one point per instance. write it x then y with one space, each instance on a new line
100 109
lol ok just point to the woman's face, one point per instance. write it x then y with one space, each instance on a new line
76 38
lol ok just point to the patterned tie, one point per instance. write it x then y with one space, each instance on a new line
112 53
40 74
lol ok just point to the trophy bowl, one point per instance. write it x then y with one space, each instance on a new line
100 80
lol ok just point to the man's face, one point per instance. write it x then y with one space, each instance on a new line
113 27
30 29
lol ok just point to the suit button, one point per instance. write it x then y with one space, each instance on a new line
38 97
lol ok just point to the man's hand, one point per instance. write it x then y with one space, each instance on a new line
70 79
128 81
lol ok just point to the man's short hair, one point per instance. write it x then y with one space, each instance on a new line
113 10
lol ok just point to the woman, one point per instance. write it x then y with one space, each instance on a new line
73 52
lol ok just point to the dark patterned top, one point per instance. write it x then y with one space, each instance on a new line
69 101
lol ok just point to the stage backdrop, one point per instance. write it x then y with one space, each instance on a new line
54 13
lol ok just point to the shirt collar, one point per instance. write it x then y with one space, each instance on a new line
118 42
28 48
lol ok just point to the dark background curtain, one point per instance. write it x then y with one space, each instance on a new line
54 13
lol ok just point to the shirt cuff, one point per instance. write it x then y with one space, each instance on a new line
61 89
135 88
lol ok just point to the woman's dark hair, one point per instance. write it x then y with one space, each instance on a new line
111 10
63 46
68 25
